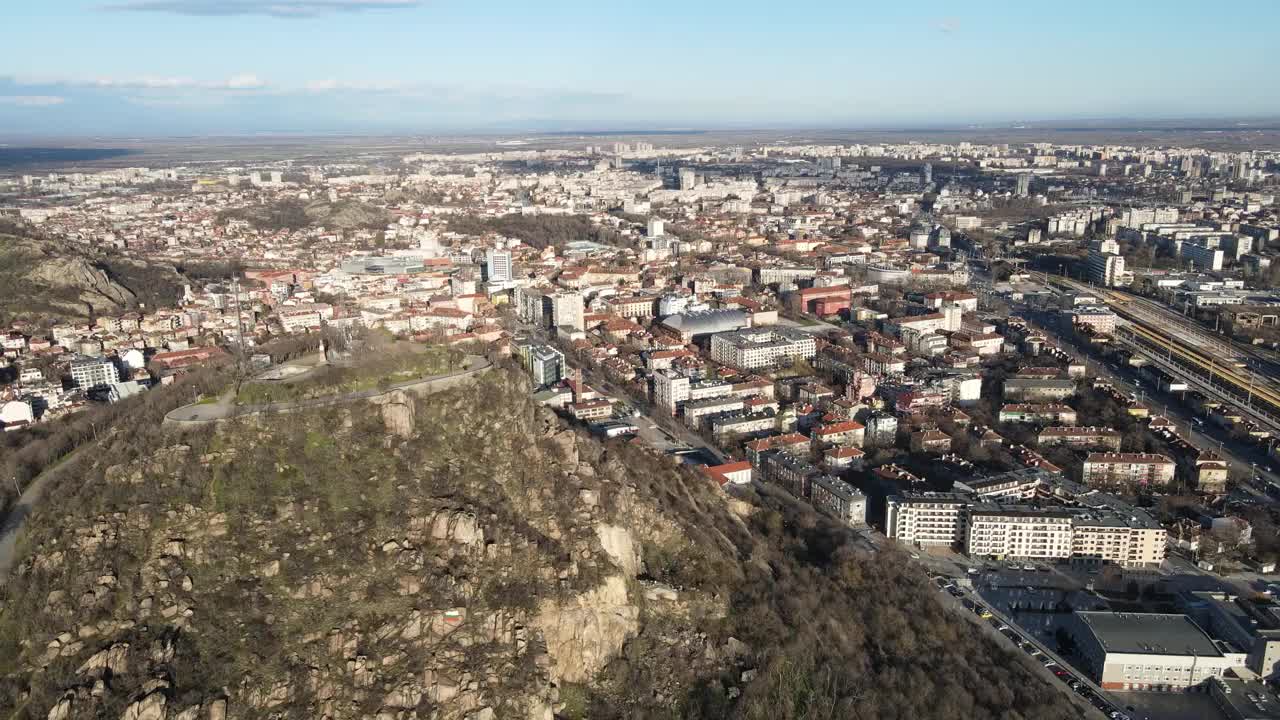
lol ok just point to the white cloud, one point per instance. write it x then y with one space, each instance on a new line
245 81
242 81
273 8
32 100
330 85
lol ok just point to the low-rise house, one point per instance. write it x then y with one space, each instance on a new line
930 441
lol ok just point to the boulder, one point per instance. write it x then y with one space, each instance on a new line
61 711
114 659
150 707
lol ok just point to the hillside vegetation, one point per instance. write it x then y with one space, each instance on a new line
291 214
46 279
463 555
537 231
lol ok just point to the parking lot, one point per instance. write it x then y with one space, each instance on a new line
1077 685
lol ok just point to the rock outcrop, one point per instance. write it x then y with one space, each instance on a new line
45 278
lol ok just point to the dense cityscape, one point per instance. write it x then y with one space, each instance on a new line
427 360
1047 370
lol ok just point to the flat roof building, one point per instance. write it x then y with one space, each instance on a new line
761 347
1149 651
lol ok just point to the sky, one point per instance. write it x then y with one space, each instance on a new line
232 67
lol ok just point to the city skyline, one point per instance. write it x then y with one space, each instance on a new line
157 67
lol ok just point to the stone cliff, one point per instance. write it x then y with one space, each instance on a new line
462 556
446 560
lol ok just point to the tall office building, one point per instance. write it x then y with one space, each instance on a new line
498 266
688 179
567 310
1024 185
656 228
928 173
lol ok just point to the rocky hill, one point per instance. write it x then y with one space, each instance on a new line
42 278
463 556
293 214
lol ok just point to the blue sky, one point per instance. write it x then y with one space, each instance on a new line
144 67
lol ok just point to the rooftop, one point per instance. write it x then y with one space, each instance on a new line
1149 634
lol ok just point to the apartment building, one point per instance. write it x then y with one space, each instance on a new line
1045 413
930 441
1135 540
695 411
1127 469
543 362
743 423
633 306
988 518
1204 257
1080 437
840 498
759 348
927 519
91 372
567 311
1016 532
848 432
1099 319
789 471
671 390
1029 389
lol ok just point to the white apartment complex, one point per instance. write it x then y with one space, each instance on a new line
1020 534
930 519
990 529
758 348
92 372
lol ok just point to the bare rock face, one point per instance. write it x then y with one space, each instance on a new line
398 413
114 659
61 711
621 548
150 707
567 442
587 631
73 273
218 710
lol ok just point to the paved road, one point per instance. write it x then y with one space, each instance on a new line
663 432
955 605
17 516
225 408
1201 436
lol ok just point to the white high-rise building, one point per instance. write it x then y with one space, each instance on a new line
567 310
498 266
656 227
688 179
669 390
1024 185
1106 265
